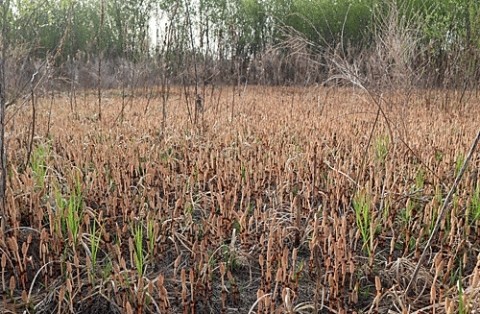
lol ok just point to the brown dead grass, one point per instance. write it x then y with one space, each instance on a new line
250 214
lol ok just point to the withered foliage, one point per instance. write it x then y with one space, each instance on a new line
272 211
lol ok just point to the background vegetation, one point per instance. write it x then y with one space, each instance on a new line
263 41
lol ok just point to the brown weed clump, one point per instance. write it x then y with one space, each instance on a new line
272 211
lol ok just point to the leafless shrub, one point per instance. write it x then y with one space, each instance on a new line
393 59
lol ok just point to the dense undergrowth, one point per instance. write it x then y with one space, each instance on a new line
289 207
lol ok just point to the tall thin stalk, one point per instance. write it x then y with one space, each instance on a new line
165 84
32 129
192 42
72 59
3 155
99 72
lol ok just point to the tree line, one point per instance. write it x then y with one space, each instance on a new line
260 41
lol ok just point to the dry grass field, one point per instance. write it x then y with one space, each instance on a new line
289 207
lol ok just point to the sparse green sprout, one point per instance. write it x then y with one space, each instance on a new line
406 214
459 163
244 172
70 211
420 179
38 163
381 148
139 256
364 219
386 209
188 210
73 216
94 244
229 256
474 207
95 236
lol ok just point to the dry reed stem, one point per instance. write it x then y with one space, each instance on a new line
236 209
442 210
